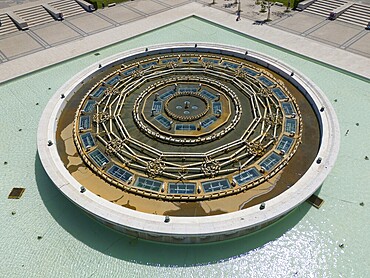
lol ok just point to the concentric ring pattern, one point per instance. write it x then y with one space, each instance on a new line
187 126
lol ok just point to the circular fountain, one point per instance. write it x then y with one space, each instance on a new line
185 144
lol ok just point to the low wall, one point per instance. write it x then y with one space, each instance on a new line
21 24
86 5
338 11
55 13
304 4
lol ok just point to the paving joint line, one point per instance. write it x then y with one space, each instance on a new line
38 38
162 3
354 39
134 10
66 40
104 17
336 45
314 28
160 11
26 53
75 28
358 52
285 29
132 20
101 30
41 26
3 58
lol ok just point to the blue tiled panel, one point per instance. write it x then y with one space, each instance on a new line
288 108
157 106
210 60
285 144
207 94
84 122
114 80
98 92
129 71
190 59
99 158
87 140
250 72
181 188
270 161
279 93
89 106
119 173
230 65
217 185
207 122
165 61
247 176
148 65
291 125
148 184
216 106
166 95
163 121
266 81
185 127
188 89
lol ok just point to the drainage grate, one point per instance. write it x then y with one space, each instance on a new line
16 193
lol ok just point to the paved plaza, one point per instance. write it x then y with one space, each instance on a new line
132 14
141 15
339 34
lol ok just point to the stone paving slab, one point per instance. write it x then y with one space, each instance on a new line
362 45
299 22
147 7
120 14
336 32
19 44
55 33
4 5
89 23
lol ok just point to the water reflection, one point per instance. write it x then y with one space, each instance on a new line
112 243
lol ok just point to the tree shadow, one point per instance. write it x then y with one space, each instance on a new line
109 242
260 22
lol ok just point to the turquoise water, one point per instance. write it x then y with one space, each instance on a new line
303 244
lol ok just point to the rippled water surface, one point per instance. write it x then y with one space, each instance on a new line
44 235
